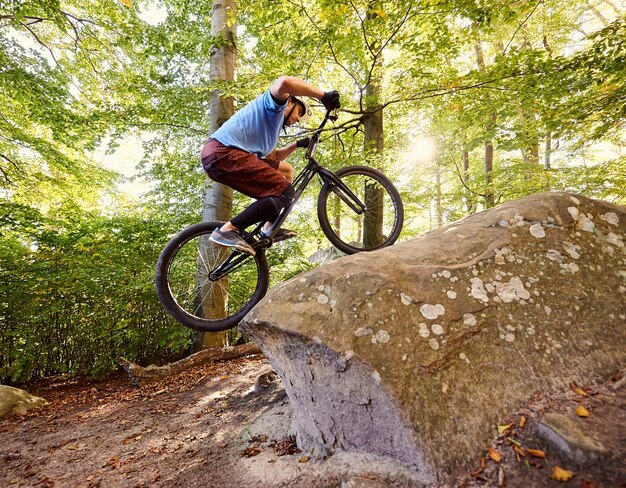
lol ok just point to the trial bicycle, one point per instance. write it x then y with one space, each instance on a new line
208 287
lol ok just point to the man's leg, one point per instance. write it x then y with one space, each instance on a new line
286 170
266 180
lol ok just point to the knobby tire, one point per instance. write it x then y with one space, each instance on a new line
349 232
192 299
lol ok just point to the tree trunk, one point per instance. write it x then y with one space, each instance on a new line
548 152
469 199
529 137
490 125
374 139
140 376
438 196
218 198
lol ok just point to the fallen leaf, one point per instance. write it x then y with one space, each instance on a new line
72 447
251 451
479 470
90 477
495 455
514 442
115 462
304 459
503 428
519 451
285 447
576 389
522 422
15 481
582 411
561 474
587 484
536 453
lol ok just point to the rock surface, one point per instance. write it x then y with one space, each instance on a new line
14 400
416 351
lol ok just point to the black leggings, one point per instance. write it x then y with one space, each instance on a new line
265 209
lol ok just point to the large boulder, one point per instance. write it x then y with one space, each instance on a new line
418 350
14 400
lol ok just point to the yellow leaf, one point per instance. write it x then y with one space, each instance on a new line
304 459
536 453
561 474
381 13
503 428
128 3
582 411
522 422
495 455
577 389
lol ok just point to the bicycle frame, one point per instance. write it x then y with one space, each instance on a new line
300 183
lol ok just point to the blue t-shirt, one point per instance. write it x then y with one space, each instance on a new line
255 128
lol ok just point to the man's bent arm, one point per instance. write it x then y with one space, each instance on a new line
285 86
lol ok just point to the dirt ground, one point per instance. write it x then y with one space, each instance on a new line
210 426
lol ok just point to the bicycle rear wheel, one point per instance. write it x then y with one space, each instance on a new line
347 229
192 297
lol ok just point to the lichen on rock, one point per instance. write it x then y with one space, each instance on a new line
486 313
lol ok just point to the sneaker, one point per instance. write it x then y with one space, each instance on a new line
283 234
231 238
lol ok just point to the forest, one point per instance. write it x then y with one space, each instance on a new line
464 104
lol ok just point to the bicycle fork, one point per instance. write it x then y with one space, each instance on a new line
343 192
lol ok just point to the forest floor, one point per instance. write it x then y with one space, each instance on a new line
210 426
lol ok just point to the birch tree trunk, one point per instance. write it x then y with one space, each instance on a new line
548 152
218 198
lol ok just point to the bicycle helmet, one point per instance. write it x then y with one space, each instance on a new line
307 109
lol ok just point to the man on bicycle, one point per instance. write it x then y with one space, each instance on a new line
242 154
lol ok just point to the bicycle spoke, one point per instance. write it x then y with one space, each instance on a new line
362 230
367 217
200 297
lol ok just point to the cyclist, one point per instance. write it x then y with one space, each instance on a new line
242 154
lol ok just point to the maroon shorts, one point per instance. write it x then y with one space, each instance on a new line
242 171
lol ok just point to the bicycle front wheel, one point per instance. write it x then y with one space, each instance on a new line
352 229
195 298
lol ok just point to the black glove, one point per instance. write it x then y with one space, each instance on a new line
303 142
331 100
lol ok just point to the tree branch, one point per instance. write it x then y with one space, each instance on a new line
521 25
362 24
27 27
